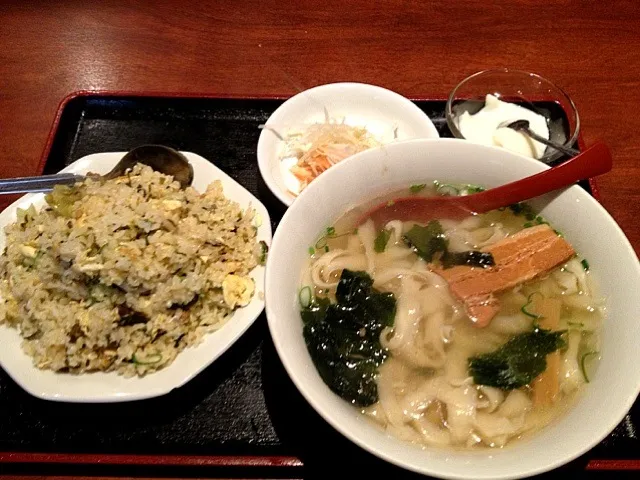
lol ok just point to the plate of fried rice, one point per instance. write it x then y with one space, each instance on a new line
125 289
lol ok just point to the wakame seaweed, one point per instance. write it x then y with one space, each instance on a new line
472 258
430 240
427 241
517 362
343 338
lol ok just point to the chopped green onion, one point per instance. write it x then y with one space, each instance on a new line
527 312
417 187
263 252
583 364
150 360
305 297
471 189
320 244
460 189
331 233
326 248
312 250
380 243
533 219
585 264
452 189
391 203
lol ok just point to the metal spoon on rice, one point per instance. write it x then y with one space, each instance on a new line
162 159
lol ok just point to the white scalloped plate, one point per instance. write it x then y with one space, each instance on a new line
111 387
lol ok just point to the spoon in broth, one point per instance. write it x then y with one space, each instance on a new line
162 159
595 160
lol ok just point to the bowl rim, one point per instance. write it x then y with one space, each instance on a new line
264 164
299 378
547 157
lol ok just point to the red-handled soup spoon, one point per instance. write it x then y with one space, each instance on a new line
594 161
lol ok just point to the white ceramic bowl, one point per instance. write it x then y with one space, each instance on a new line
583 222
111 387
377 108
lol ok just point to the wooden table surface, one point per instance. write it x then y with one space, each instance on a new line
592 49
245 47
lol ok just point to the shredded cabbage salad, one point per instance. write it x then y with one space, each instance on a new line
319 146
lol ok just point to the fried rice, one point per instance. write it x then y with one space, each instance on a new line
122 275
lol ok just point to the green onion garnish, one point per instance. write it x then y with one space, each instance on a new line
418 187
471 189
380 242
330 233
150 360
321 243
305 297
529 301
452 189
583 364
263 252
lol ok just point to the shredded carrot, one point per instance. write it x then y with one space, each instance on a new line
301 173
321 146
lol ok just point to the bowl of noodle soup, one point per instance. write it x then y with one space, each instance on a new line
375 322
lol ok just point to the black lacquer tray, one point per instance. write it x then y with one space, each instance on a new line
242 416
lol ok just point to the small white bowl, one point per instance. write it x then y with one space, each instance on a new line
111 387
583 221
376 108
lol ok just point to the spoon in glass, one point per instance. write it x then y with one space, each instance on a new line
162 159
524 127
